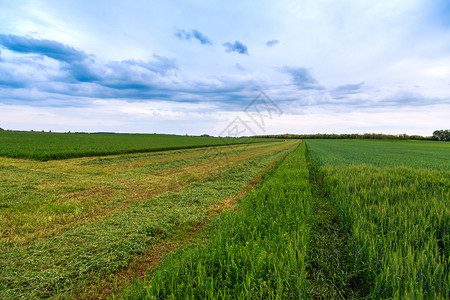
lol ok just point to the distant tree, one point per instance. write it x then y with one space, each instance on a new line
347 136
441 135
1 129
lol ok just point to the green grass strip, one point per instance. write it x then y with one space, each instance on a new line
257 252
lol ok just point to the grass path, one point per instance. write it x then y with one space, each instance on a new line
329 268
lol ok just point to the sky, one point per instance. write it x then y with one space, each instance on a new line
225 67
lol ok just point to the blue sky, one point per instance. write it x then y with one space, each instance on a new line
194 66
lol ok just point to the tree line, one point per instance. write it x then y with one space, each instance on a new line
438 135
441 135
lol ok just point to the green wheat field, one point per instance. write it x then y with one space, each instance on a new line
149 216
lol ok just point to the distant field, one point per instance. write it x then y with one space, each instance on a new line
50 146
420 154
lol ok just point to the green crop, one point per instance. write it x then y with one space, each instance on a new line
418 154
397 217
50 146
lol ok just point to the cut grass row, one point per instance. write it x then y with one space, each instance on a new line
257 252
53 146
41 199
60 266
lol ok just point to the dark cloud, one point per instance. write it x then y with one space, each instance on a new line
84 76
47 48
237 47
405 98
377 99
187 35
272 43
137 74
76 67
33 79
82 71
302 78
122 75
348 89
11 80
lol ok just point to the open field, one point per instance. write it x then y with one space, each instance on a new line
49 146
336 232
331 219
68 222
417 154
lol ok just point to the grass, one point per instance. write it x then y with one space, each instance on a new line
395 218
146 204
337 219
398 219
330 273
51 146
344 231
417 154
257 252
43 199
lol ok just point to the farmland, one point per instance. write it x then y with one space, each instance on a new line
343 230
328 219
381 153
66 223
50 146
394 206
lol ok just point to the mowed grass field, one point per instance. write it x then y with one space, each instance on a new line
50 146
68 225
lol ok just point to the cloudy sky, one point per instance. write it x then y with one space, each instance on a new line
195 67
